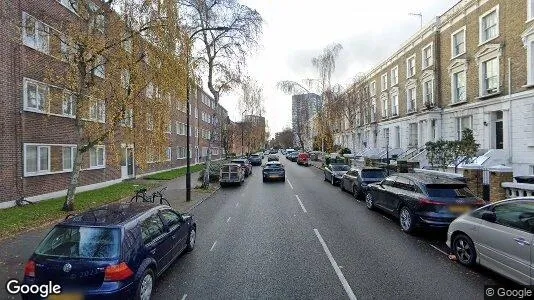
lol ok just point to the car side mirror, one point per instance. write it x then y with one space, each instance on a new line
489 216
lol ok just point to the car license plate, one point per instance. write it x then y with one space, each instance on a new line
66 296
459 209
274 176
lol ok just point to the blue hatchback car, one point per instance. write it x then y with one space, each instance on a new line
113 252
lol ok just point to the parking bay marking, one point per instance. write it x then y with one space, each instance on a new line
228 220
215 243
301 205
337 269
185 296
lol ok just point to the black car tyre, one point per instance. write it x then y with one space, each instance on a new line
191 239
355 192
370 201
145 286
406 220
325 179
464 249
284 179
264 179
341 185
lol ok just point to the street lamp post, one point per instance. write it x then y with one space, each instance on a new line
242 130
188 113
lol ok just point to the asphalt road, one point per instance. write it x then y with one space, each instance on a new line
306 239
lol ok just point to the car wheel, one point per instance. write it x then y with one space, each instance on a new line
284 179
145 286
355 192
191 240
370 201
341 187
406 220
464 249
264 179
325 179
223 184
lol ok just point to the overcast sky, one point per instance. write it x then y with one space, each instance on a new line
295 31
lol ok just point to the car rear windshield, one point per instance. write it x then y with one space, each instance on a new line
340 168
273 166
448 191
373 174
81 242
238 162
254 155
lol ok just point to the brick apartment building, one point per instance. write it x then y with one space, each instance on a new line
472 67
248 135
36 143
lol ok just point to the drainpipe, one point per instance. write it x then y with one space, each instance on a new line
510 151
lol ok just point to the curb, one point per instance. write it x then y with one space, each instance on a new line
202 201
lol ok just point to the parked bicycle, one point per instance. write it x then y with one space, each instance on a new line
141 196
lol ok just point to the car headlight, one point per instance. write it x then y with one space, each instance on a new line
364 184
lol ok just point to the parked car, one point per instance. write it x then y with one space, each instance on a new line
334 172
422 200
273 151
266 152
231 174
255 160
272 157
293 156
357 180
288 152
245 164
274 170
112 252
498 236
303 159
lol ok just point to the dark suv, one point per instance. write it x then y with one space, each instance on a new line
357 180
255 159
422 200
113 252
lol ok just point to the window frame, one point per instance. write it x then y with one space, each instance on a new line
39 170
530 10
395 76
96 149
454 95
453 46
372 88
459 122
409 100
72 150
431 58
38 85
426 90
394 105
481 31
484 80
410 59
384 82
35 42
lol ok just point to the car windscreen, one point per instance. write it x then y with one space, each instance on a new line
241 162
340 168
448 191
380 174
254 155
81 242
273 166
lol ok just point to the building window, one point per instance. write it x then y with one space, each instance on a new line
394 105
410 67
69 99
532 170
394 76
489 76
97 111
68 158
35 96
127 44
530 10
458 43
372 88
413 142
169 153
35 34
384 82
385 107
97 157
98 20
411 100
463 123
428 92
36 159
427 56
99 69
433 130
196 113
458 87
128 118
489 25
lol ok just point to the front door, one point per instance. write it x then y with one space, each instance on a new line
499 142
130 162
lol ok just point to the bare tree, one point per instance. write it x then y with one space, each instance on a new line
222 56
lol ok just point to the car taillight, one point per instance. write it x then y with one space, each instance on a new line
117 272
29 269
426 201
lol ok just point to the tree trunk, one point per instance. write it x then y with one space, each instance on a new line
206 181
75 176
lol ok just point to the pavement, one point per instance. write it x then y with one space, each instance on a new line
15 251
304 239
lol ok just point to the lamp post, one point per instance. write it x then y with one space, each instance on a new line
242 130
420 15
188 113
